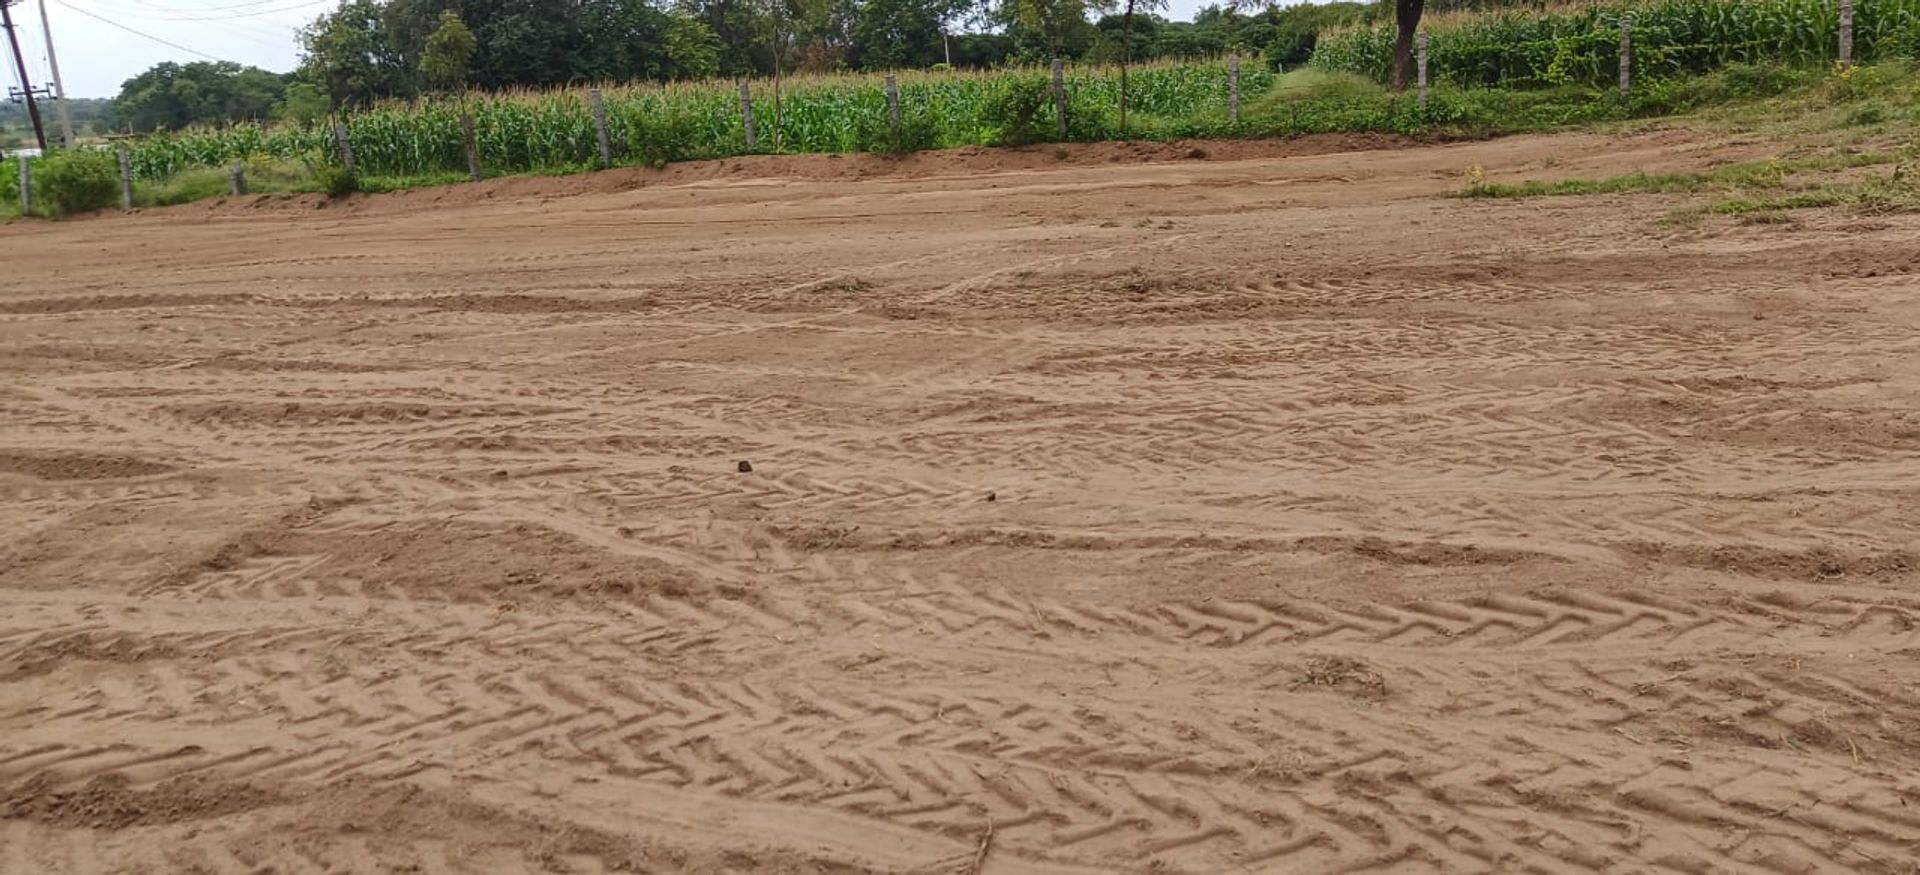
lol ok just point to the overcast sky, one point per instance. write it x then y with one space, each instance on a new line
103 43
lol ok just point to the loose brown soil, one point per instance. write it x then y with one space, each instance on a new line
1180 508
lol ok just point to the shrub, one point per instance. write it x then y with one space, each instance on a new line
1758 80
78 181
1867 115
1013 111
917 131
336 182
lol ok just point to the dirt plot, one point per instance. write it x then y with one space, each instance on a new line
1223 511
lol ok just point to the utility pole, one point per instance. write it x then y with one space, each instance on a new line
25 92
59 90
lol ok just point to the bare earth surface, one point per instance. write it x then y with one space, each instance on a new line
1264 512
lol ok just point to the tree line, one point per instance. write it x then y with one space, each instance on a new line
367 51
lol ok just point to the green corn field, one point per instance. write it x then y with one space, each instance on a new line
649 124
1581 46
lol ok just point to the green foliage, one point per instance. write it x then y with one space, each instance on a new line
190 185
893 34
10 188
1054 22
692 49
305 104
72 181
448 56
336 182
354 56
1014 111
1758 191
1759 80
553 131
1867 115
173 96
1671 38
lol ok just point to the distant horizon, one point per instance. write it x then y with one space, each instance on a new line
99 50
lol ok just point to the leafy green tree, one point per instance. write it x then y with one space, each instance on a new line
1126 45
305 103
889 34
619 40
741 29
1060 27
173 96
447 58
692 48
351 53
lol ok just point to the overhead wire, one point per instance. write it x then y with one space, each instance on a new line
308 4
136 32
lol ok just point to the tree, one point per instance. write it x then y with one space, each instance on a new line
351 54
889 34
1406 19
1126 47
174 96
447 58
305 103
1054 21
740 31
692 49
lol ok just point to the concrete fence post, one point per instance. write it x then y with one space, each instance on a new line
471 144
1420 64
1626 55
26 187
346 144
1233 88
1060 96
126 177
746 113
893 104
600 127
1846 33
237 178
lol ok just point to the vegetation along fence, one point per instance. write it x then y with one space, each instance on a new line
534 131
559 131
1522 49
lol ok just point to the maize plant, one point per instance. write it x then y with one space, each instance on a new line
1670 38
531 131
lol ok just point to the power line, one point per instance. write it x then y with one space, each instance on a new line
293 8
266 37
247 5
105 20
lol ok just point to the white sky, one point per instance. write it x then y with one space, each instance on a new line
98 53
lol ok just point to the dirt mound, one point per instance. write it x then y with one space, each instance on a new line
111 801
496 564
274 414
80 304
510 303
820 168
78 466
1820 564
40 658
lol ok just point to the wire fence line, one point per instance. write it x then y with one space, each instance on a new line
1671 38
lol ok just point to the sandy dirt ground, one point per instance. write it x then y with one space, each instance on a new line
1218 508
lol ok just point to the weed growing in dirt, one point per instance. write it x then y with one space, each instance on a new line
336 182
1342 672
1749 188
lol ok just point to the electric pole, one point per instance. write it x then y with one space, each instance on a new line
59 90
25 92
